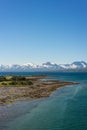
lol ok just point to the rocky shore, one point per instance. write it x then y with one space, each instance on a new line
38 89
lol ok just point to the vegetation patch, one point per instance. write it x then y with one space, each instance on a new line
14 81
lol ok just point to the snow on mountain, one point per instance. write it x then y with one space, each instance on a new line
48 66
10 67
75 65
65 66
51 65
79 65
30 65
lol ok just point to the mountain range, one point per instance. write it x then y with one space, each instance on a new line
48 66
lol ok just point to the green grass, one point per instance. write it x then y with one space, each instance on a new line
14 81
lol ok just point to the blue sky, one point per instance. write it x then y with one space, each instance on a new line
43 30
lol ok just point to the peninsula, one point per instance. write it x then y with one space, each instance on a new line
16 88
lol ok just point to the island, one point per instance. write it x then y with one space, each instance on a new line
16 88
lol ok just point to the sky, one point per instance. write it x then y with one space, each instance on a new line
38 31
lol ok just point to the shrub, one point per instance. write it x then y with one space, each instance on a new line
18 78
30 83
2 78
21 78
23 83
13 83
3 83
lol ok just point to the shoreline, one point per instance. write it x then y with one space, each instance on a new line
39 89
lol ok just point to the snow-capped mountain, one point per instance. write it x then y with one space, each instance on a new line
75 65
51 65
48 66
79 65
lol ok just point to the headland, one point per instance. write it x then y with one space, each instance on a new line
16 88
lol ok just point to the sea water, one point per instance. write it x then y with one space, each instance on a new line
65 109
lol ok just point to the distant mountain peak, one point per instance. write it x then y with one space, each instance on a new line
48 63
80 64
48 66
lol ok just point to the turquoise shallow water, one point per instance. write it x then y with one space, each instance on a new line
65 109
